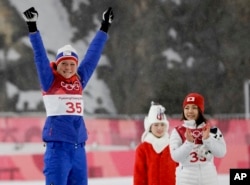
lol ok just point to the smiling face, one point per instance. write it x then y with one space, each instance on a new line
158 129
191 112
67 68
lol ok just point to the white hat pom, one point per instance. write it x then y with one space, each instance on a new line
66 48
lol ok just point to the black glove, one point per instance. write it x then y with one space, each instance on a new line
30 16
107 18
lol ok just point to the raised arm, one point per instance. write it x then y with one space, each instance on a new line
93 54
42 63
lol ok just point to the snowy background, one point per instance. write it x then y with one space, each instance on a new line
96 87
54 39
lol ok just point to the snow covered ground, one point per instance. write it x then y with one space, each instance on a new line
223 180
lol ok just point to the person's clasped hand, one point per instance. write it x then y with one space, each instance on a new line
206 131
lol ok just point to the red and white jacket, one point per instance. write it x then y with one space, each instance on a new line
196 165
153 162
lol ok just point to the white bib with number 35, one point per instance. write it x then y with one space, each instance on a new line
63 104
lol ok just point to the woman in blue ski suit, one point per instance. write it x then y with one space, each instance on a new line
62 84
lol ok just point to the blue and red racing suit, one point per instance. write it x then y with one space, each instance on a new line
64 130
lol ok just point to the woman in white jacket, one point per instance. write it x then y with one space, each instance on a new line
194 145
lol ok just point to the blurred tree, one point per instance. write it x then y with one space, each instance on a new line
158 50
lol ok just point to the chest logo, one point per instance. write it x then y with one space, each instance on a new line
71 87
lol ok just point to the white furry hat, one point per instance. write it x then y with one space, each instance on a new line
155 115
66 52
